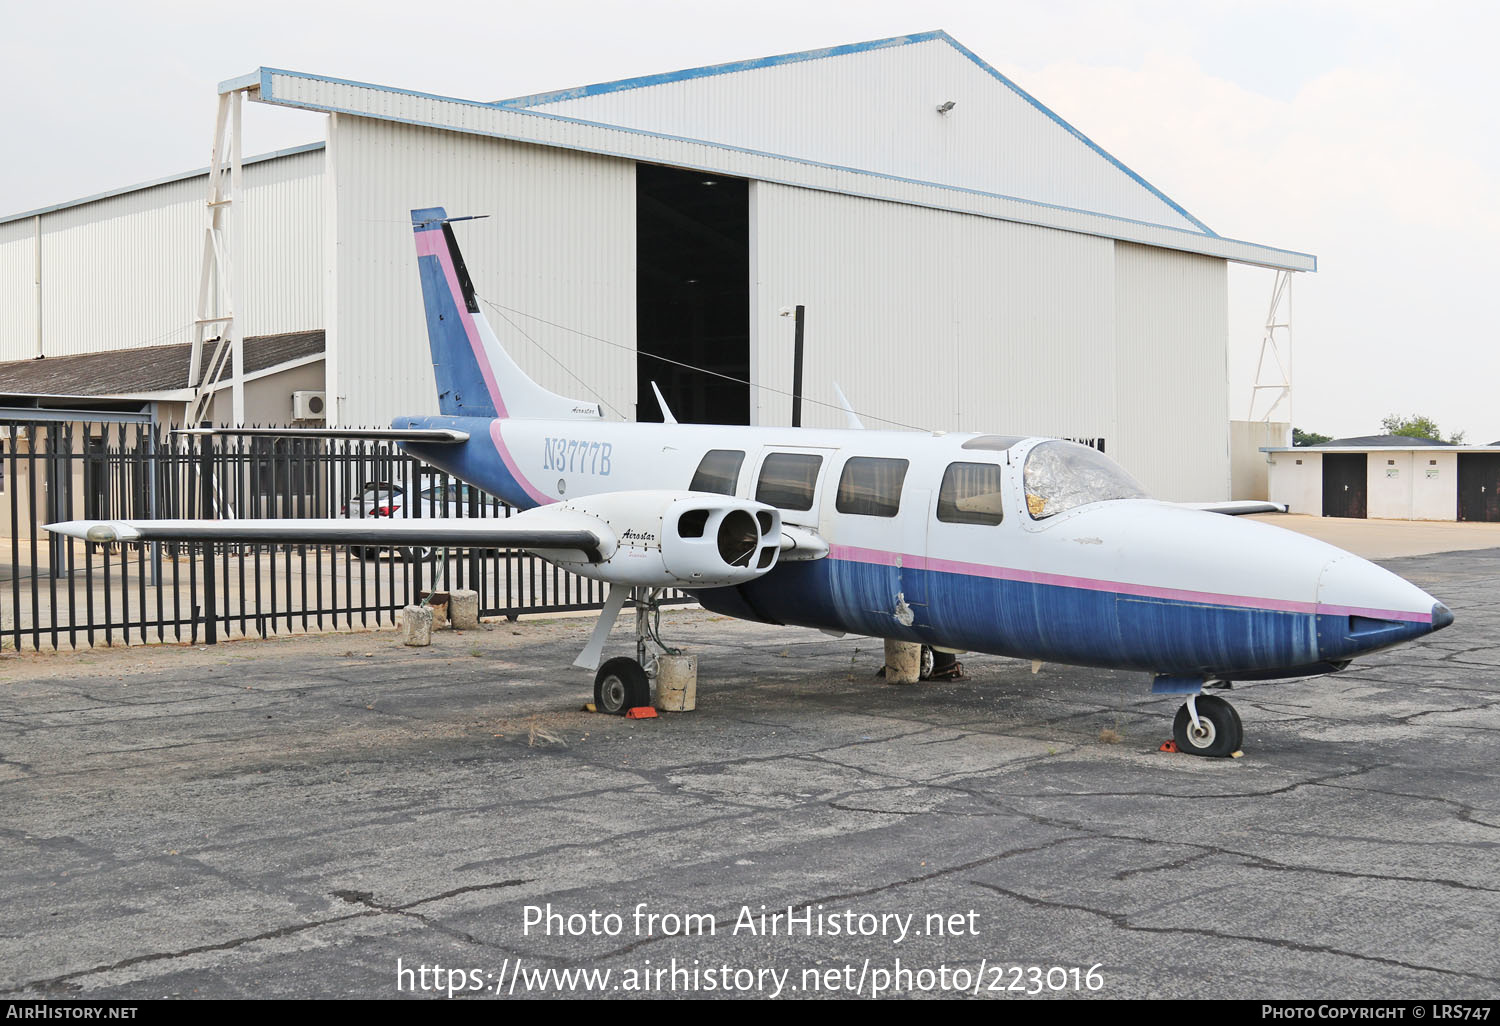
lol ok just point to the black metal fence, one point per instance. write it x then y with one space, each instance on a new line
58 591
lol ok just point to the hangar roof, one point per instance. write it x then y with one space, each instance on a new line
147 371
1379 441
168 180
874 105
860 119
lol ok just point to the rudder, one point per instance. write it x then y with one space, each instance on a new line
475 376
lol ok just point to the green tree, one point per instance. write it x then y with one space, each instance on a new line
1418 426
1300 437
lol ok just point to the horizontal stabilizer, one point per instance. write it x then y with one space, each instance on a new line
432 436
1237 507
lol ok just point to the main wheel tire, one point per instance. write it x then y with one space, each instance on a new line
621 685
1219 735
927 661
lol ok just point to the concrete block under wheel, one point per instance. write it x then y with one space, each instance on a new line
677 682
463 610
903 662
416 626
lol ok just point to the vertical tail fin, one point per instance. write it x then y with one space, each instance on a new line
475 375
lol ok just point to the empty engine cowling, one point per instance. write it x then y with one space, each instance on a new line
681 539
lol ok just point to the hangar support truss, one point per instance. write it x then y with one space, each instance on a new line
214 320
1273 378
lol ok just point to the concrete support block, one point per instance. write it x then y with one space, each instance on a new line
416 626
903 662
677 682
463 610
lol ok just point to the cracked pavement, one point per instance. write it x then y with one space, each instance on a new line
288 818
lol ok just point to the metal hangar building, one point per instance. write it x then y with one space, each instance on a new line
966 259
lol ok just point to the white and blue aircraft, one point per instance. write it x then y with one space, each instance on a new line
1029 547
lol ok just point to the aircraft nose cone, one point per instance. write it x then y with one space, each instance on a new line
1363 607
1355 586
1442 616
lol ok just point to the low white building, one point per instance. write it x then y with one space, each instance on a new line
1387 478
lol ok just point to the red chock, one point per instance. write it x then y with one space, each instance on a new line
1168 746
641 712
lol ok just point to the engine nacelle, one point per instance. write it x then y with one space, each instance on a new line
667 539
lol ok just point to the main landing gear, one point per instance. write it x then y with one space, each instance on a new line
623 683
620 685
1207 725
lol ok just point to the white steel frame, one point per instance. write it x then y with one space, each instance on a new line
215 320
1277 341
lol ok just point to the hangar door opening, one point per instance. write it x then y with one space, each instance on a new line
1479 486
692 294
1345 484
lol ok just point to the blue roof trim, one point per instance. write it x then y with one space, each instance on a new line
620 85
267 95
168 180
599 89
1073 131
243 82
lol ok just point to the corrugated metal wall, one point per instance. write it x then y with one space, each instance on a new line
296 90
953 322
558 245
122 272
18 289
1172 373
943 321
877 110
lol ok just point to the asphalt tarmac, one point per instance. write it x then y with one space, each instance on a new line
336 816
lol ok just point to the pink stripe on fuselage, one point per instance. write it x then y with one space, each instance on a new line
880 557
510 464
1376 614
433 244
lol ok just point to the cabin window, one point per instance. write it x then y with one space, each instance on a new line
970 494
718 472
788 479
1063 475
871 487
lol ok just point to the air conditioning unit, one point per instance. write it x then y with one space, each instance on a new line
308 406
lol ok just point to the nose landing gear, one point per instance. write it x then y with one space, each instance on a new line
1207 725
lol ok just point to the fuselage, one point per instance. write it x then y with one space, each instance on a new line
979 543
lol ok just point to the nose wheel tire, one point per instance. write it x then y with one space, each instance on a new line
1218 734
621 685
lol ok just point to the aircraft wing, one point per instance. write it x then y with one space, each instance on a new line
558 532
1237 507
653 539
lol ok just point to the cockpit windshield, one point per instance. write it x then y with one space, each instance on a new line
1062 475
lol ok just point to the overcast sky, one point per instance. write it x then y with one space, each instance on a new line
1358 130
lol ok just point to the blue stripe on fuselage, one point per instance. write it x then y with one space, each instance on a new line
1050 622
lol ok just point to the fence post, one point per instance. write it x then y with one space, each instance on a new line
206 483
153 511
